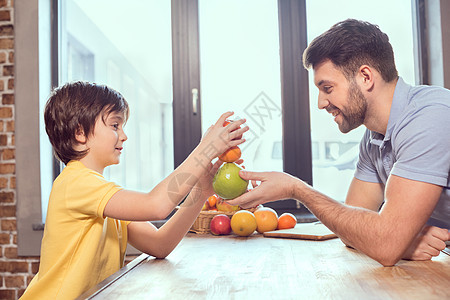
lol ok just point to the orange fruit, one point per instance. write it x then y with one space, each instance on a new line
243 223
212 200
286 221
266 219
231 155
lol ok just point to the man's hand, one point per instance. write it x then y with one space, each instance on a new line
427 244
272 186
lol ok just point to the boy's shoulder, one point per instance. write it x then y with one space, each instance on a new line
77 173
81 190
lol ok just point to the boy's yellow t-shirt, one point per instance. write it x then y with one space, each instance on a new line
80 248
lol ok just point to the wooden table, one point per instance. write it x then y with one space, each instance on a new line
230 267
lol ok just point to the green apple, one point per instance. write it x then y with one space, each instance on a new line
227 183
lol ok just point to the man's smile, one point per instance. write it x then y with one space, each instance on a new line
335 113
333 110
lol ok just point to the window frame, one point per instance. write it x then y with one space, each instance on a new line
186 77
28 188
297 152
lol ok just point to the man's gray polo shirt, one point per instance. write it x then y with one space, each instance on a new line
416 145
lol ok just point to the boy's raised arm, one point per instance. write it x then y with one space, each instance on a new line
159 202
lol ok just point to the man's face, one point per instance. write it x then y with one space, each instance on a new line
341 98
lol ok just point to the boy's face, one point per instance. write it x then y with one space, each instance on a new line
106 142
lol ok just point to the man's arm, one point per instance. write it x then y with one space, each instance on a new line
383 235
427 244
365 194
386 235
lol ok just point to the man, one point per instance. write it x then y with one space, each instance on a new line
398 204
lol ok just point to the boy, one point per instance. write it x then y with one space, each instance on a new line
90 220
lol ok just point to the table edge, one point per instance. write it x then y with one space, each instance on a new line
95 290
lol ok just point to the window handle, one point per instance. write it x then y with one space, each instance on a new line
194 100
38 226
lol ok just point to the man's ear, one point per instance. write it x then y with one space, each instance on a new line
80 136
366 77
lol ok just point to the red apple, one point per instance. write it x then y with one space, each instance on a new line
220 224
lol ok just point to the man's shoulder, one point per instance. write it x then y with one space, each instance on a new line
429 95
427 106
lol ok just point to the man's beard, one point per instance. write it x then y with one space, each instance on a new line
354 114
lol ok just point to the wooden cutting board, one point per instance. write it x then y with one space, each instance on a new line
305 231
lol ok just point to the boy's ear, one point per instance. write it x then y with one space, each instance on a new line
80 136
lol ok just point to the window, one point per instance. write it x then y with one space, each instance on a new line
133 56
141 72
240 71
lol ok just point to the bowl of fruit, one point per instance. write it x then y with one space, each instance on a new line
213 206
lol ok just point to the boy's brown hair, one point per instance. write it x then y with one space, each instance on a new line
75 107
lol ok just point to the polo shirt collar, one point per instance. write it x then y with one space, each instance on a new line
399 101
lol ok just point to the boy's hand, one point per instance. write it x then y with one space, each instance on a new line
218 138
204 186
205 181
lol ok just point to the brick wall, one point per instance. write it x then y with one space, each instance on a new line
15 272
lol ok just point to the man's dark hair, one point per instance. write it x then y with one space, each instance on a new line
75 107
349 45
